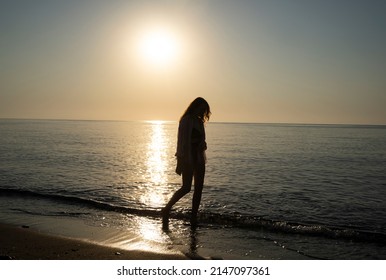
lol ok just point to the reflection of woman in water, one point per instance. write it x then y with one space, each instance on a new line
190 154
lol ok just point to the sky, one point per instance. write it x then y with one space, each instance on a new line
300 61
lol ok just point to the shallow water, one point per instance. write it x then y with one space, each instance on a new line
271 191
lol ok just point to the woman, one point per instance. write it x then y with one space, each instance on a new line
190 155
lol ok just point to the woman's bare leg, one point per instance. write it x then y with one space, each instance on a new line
199 175
187 177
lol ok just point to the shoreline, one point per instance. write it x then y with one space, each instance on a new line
24 243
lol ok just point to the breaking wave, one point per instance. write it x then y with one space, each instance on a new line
207 218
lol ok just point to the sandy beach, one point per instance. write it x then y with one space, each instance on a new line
21 243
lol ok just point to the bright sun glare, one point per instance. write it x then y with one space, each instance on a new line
159 47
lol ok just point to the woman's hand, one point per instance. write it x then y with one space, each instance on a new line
202 146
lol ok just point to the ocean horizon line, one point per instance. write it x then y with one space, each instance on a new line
214 122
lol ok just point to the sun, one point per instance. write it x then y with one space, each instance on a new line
159 47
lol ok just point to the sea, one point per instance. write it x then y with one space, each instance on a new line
271 191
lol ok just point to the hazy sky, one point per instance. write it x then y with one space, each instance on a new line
299 61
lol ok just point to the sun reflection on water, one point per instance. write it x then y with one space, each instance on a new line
154 192
150 230
156 164
144 234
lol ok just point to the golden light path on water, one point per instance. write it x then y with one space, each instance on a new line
154 194
157 165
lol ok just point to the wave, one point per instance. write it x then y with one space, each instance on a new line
256 222
208 218
79 201
52 214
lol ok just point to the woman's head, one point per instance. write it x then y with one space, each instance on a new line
200 108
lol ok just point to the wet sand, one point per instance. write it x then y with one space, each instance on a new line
23 243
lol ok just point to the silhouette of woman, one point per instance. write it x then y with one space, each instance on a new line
191 158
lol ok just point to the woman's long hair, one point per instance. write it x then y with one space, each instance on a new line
192 109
